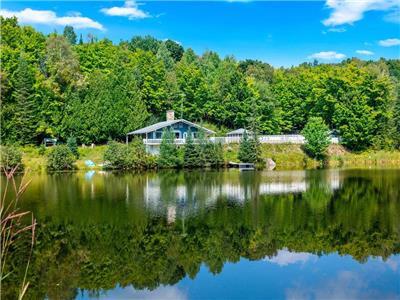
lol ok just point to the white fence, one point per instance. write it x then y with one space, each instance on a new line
264 139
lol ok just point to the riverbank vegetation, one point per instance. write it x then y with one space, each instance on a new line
95 91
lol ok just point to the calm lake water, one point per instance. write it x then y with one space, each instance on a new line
332 234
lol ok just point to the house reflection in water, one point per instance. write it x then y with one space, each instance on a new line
182 199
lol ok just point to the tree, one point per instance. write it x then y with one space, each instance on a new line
70 34
25 114
249 149
165 56
175 49
191 154
146 43
316 133
73 146
168 157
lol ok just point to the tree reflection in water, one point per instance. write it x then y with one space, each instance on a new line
153 229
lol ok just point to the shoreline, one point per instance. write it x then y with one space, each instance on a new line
286 157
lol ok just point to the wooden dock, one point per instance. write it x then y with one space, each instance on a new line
242 166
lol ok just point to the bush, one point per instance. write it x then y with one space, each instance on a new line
73 146
316 133
11 157
123 157
60 158
42 149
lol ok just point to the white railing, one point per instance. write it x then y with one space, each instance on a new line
264 139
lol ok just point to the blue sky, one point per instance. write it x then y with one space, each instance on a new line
282 33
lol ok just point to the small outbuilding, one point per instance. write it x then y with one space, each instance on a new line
238 133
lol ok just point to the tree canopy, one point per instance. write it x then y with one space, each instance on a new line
96 90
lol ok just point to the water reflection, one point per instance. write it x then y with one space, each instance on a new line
308 234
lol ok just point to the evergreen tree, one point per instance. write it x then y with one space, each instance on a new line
191 154
168 157
70 34
73 146
24 118
80 39
165 56
249 149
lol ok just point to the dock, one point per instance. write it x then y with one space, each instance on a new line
242 166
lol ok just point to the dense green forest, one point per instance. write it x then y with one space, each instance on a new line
63 86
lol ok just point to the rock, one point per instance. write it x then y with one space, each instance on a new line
270 164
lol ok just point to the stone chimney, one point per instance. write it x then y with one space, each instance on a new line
170 115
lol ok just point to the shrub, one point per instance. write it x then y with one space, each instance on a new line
316 133
42 149
11 157
116 155
60 158
123 157
73 146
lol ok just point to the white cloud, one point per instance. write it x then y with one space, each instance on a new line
130 10
48 17
162 292
327 55
389 42
284 257
340 30
350 11
364 52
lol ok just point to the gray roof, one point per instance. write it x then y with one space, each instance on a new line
238 131
164 124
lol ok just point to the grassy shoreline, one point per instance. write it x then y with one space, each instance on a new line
286 157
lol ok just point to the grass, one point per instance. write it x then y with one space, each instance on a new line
286 156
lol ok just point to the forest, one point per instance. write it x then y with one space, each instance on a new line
61 85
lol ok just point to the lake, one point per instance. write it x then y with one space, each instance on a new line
321 234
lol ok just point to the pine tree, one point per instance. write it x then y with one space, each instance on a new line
191 154
249 150
165 56
168 157
80 40
24 117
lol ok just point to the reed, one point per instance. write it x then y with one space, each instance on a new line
13 225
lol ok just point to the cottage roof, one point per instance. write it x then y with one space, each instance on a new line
238 131
164 124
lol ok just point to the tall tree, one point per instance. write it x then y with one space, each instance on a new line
25 114
175 49
70 34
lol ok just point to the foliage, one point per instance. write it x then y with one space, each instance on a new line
191 153
10 158
125 157
94 91
249 149
168 157
70 34
73 146
317 135
60 158
203 153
